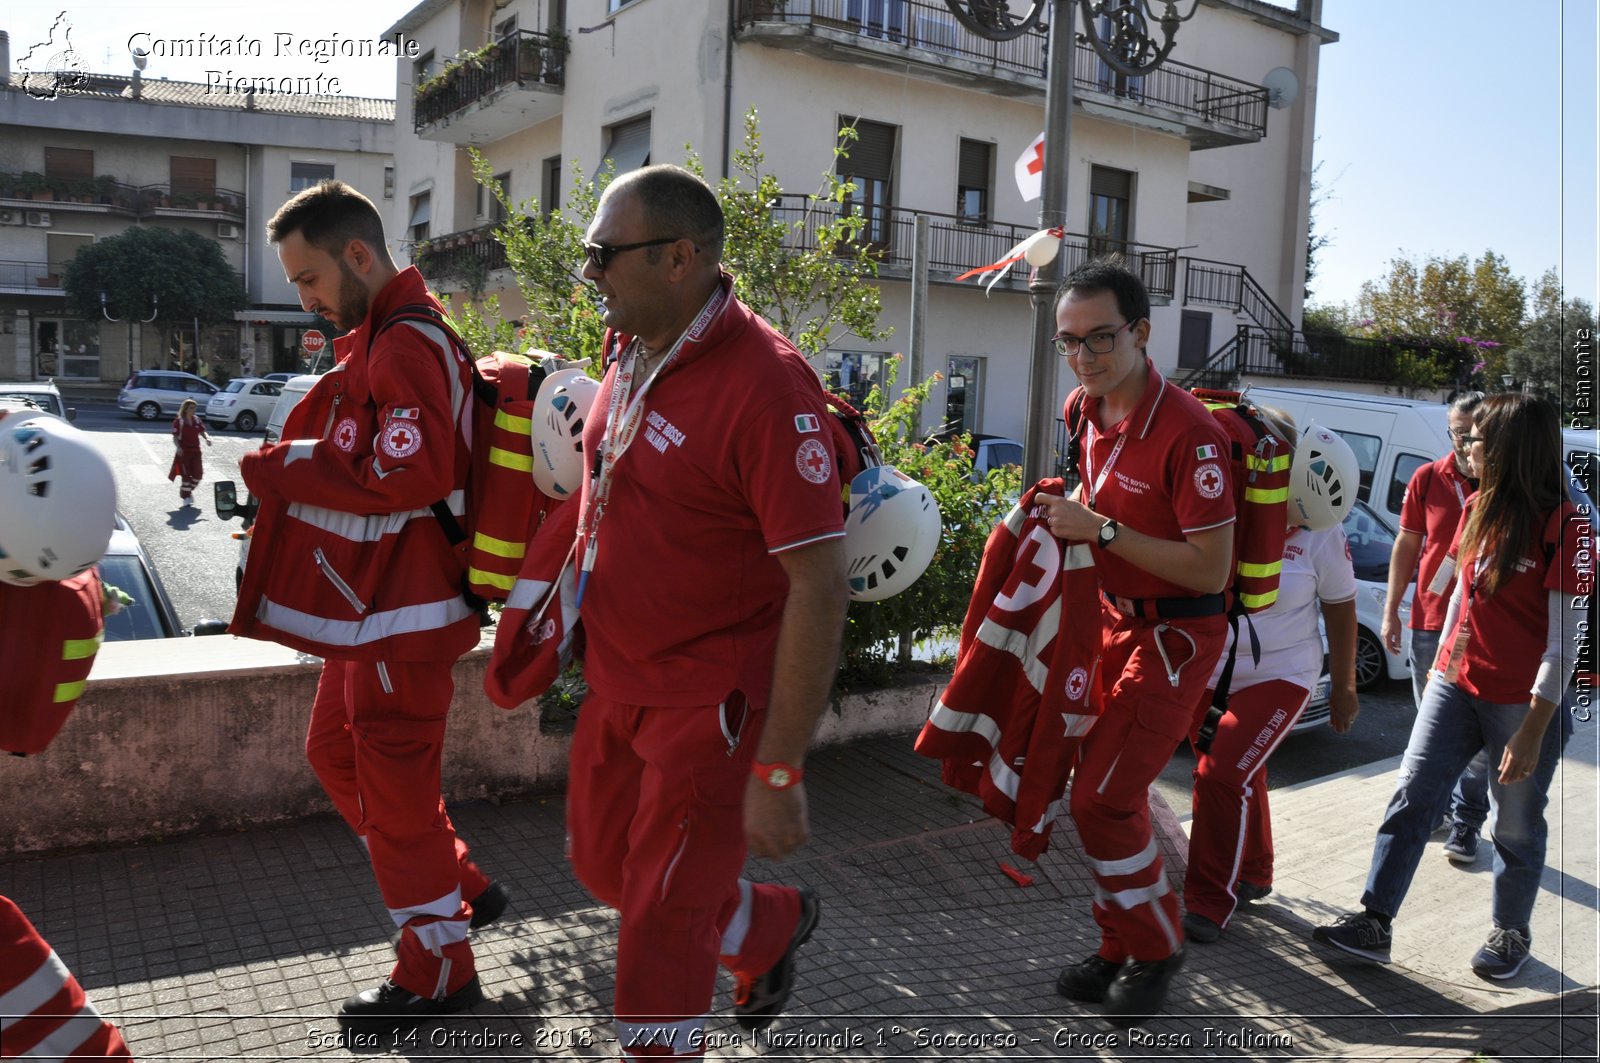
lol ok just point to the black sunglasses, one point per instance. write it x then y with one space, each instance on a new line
600 255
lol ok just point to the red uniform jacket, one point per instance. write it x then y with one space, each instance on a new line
53 631
1024 692
347 559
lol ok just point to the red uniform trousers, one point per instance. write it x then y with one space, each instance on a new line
655 829
1144 719
1231 836
43 1009
376 735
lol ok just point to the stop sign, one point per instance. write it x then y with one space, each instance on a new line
312 342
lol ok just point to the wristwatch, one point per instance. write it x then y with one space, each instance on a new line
777 775
1107 534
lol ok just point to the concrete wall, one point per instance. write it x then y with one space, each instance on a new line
188 735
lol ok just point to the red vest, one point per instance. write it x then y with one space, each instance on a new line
47 1014
51 634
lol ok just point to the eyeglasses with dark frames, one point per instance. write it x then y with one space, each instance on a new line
1094 343
600 255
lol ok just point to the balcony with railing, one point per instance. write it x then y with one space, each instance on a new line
25 194
465 258
29 278
957 244
491 92
922 36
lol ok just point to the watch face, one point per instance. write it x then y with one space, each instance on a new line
778 778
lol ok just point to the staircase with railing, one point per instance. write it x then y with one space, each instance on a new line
1265 348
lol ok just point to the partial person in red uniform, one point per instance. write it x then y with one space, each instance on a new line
713 596
1157 504
1435 499
1231 855
57 511
350 562
187 432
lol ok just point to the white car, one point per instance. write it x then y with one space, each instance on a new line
42 394
243 404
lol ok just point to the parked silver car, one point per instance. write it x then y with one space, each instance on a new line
149 393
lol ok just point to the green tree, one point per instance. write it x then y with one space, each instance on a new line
186 274
1557 334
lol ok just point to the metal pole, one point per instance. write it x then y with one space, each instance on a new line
1039 457
919 310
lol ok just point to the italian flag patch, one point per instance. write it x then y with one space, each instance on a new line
1205 453
806 422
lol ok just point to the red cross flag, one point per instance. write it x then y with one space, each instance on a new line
1030 170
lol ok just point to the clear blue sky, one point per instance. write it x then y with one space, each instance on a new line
1445 126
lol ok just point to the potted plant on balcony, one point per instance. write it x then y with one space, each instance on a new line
33 185
105 188
556 62
530 58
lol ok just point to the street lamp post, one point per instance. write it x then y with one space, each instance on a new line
154 307
1129 49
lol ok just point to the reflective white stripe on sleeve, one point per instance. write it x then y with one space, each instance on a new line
299 450
1127 865
369 528
527 593
407 620
1023 644
28 995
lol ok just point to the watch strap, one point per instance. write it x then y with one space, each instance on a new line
777 775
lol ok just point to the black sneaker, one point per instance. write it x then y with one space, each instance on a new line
757 1002
1140 989
1503 955
1199 928
489 905
1359 934
389 1008
1249 891
1087 981
1462 845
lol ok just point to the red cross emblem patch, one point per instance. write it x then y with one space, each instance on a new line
1209 481
813 462
401 439
344 434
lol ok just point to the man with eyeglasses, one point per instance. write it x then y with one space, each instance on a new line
713 595
1435 497
1157 505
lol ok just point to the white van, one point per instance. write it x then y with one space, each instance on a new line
1392 438
294 389
226 492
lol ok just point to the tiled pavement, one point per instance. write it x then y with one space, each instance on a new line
240 946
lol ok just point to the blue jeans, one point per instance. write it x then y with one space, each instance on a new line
1469 804
1452 727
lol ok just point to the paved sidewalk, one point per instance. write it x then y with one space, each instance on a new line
241 946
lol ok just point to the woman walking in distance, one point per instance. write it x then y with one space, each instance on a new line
187 431
1522 553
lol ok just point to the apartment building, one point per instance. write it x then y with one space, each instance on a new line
100 153
1199 172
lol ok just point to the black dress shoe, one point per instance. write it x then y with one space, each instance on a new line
1087 981
1140 989
489 905
388 1008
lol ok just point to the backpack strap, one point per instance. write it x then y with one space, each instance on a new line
481 388
1075 428
855 425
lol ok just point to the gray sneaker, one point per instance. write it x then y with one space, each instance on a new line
1359 934
1462 845
1503 955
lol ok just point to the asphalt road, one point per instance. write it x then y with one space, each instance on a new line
196 556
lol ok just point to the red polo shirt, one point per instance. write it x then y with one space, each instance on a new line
731 466
1507 631
1432 509
1162 470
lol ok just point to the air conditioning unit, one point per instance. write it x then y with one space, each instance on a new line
227 230
41 218
10 217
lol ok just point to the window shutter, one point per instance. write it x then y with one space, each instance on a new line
872 154
69 164
193 177
972 167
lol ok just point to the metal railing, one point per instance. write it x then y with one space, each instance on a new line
956 245
928 26
103 191
1254 351
520 59
30 276
1229 285
162 197
467 255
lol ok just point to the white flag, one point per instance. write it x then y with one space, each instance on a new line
1030 170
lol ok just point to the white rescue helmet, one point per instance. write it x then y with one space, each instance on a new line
560 409
1323 479
58 499
890 532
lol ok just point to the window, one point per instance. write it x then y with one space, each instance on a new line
489 204
963 394
550 185
69 164
869 165
62 248
388 181
193 180
507 28
1404 466
884 19
1367 449
852 374
421 214
1112 81
302 175
628 145
616 5
423 68
1110 210
974 178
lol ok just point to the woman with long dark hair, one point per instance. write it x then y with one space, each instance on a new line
1521 554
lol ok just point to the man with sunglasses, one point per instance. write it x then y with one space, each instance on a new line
1434 501
1156 504
712 595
